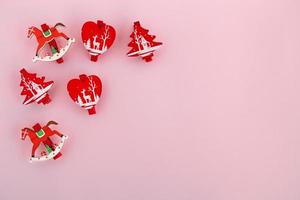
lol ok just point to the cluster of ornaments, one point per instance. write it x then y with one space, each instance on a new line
97 38
85 91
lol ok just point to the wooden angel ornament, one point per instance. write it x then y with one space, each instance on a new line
35 88
42 135
142 43
52 44
97 38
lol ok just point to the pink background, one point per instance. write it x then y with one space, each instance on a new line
215 116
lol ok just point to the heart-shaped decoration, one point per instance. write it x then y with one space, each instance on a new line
97 38
85 91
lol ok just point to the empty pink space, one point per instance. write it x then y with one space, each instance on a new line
214 116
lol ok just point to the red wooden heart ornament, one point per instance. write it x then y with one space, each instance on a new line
85 91
97 38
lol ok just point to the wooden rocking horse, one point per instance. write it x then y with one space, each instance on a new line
47 36
40 135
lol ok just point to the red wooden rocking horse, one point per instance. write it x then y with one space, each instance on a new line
47 36
40 135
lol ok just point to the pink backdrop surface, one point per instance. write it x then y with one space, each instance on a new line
215 116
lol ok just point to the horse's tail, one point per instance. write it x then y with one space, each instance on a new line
51 122
59 24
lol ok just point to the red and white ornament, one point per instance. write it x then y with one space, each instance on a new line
35 88
97 38
42 135
85 91
142 43
52 44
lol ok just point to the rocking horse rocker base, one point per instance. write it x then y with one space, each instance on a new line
56 56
